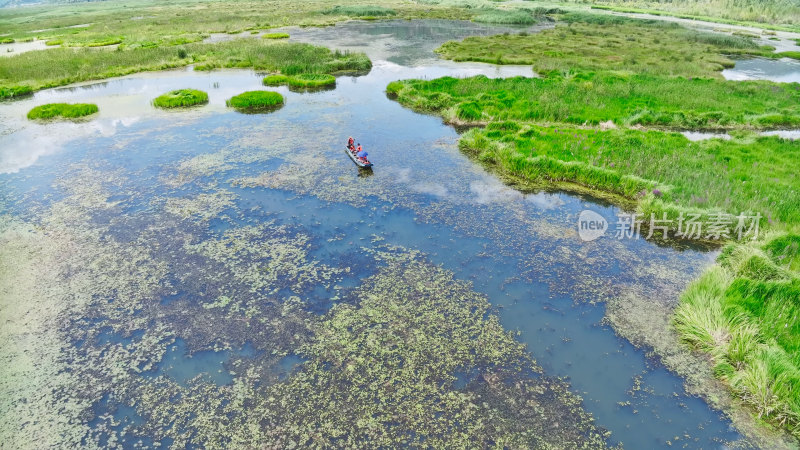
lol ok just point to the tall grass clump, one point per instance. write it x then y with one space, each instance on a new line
252 101
275 80
62 110
311 80
276 36
360 11
181 98
750 326
14 91
499 16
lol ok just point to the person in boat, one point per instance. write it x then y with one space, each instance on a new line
350 143
361 154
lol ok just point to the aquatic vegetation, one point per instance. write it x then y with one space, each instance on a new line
7 40
276 36
64 66
628 162
604 42
62 110
770 14
181 98
15 91
311 80
361 11
275 80
255 100
500 16
593 97
745 314
53 42
105 42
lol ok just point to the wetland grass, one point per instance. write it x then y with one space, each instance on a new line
276 36
592 42
256 101
181 98
311 80
275 80
62 110
361 11
590 98
58 67
506 17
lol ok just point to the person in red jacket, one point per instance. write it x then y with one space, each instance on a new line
350 143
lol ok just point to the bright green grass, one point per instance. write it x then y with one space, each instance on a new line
275 80
592 98
498 16
255 100
745 313
7 41
771 14
748 173
181 98
597 42
62 110
276 36
14 91
58 67
311 80
361 11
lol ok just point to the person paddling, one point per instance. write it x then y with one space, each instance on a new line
350 143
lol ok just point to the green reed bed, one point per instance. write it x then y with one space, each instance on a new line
255 101
275 80
276 36
311 80
746 173
591 98
361 11
57 67
745 312
181 98
591 42
506 17
62 111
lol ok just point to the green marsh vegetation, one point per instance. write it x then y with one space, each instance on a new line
276 36
506 17
361 11
58 67
311 80
773 14
609 43
256 101
590 98
181 98
745 313
62 110
275 80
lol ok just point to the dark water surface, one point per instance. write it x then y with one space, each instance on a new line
519 249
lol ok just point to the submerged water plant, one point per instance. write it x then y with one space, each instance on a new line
62 110
181 98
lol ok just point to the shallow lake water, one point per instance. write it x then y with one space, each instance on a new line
520 249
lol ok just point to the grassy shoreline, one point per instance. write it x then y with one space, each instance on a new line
34 71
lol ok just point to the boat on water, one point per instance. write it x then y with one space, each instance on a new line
359 163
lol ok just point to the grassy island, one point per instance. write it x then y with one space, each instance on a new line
181 98
62 110
254 101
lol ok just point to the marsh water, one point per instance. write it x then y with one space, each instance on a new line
518 248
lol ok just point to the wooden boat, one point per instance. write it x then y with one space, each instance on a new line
356 160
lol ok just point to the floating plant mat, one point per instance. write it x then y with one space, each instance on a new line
390 352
